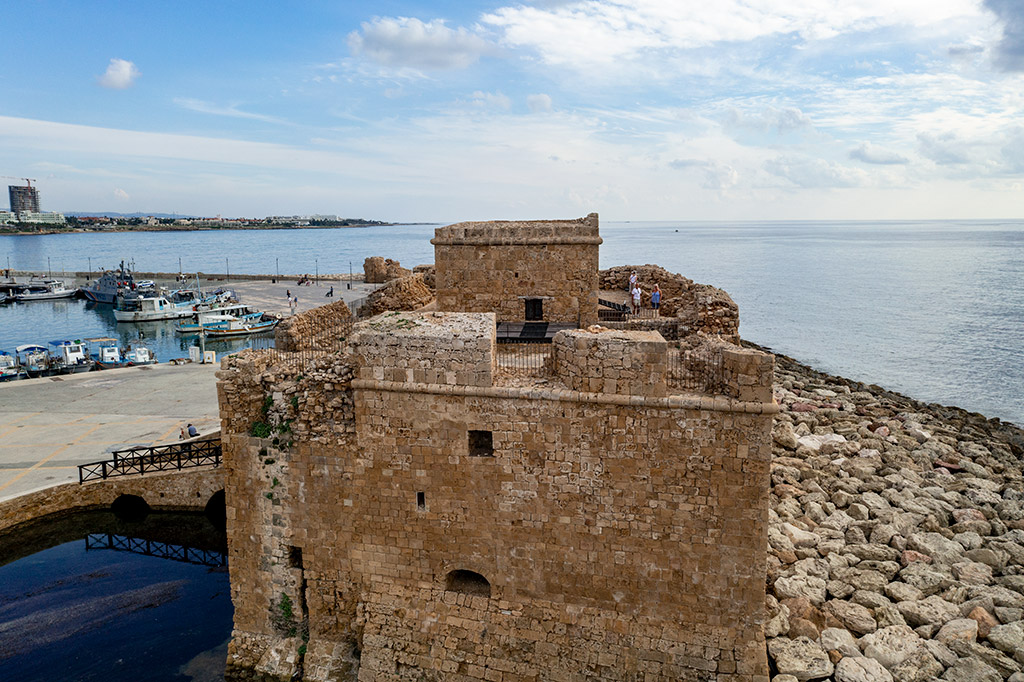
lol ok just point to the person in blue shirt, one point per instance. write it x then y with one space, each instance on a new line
656 299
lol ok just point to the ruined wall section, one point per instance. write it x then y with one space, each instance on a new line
619 362
686 306
377 270
496 266
303 419
406 293
316 329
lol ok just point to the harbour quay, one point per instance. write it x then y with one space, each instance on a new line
52 425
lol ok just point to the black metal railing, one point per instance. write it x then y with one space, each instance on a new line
523 359
163 550
139 461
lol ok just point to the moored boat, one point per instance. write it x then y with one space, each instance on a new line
71 357
45 291
219 319
140 355
35 360
105 289
236 328
9 369
108 354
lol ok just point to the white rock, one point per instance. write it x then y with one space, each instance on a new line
813 442
933 610
890 646
808 586
972 670
838 639
802 658
958 629
861 669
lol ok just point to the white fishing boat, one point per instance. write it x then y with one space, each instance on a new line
9 369
140 355
219 319
236 327
44 291
151 308
71 357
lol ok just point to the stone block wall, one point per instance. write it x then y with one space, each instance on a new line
613 535
316 329
606 361
405 293
496 266
729 370
431 348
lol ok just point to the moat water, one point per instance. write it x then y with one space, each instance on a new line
933 309
94 598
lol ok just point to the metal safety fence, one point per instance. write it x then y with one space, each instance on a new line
140 461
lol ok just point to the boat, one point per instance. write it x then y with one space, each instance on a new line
4 298
151 308
106 288
140 355
107 355
45 291
35 360
71 357
236 328
9 368
219 319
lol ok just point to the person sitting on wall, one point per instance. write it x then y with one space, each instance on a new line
330 293
192 431
656 299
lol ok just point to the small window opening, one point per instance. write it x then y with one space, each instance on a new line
421 500
467 582
481 444
534 309
294 557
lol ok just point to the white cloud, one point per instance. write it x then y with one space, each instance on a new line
716 175
784 120
869 153
945 149
408 42
120 74
231 110
588 33
491 99
810 172
538 103
120 194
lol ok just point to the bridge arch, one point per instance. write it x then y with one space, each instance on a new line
130 507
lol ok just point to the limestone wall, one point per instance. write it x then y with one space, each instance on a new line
496 266
316 329
606 361
406 293
622 533
431 348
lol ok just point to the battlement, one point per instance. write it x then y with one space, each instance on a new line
619 362
520 232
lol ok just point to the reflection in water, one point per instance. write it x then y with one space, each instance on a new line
115 615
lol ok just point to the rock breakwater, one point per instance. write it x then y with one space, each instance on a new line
896 537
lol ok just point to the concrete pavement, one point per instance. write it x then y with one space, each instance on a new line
51 425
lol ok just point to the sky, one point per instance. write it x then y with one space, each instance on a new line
437 111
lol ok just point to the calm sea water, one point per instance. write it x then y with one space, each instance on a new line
933 309
72 609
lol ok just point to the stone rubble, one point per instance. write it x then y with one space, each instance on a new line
896 537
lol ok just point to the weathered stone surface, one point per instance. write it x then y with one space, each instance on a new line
964 629
1008 638
972 670
378 270
838 639
801 586
802 658
861 669
931 610
854 617
890 645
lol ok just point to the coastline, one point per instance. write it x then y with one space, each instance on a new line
201 228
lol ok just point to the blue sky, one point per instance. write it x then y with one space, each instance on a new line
424 111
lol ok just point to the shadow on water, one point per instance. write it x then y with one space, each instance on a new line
144 599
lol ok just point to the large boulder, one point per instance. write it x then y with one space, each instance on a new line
861 669
802 658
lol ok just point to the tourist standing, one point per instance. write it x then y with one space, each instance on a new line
632 282
656 299
636 293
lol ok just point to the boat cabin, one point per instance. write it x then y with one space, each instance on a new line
71 352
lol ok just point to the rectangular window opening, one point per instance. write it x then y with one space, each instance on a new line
534 309
481 444
294 557
421 501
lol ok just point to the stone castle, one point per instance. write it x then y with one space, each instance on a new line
413 506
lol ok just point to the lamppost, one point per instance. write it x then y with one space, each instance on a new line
48 275
316 264
227 269
90 270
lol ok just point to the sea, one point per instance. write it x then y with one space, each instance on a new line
931 309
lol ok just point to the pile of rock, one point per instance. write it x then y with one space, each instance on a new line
896 537
407 293
377 270
316 329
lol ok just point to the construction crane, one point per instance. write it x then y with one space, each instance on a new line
28 181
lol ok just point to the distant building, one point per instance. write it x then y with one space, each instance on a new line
37 217
23 199
7 217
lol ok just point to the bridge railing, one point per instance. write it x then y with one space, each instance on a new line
163 550
139 461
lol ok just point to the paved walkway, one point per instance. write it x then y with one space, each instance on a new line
48 427
273 297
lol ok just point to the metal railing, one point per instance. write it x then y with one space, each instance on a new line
163 550
139 461
523 359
